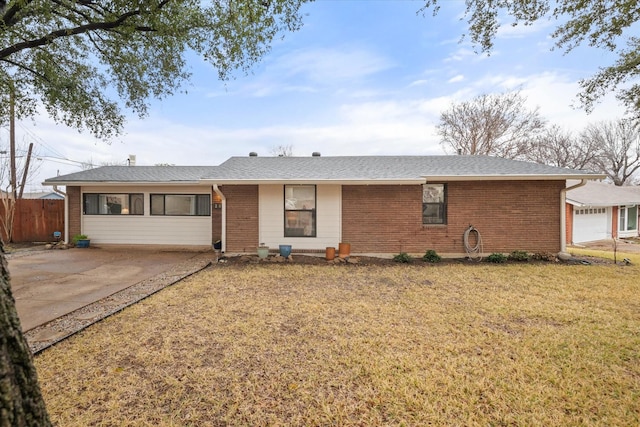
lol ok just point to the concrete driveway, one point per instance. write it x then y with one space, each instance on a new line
49 284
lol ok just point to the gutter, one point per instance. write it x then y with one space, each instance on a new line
563 214
223 231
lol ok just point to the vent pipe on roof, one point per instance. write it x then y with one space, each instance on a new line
316 154
459 151
253 154
131 161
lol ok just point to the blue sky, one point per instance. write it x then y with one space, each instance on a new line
360 78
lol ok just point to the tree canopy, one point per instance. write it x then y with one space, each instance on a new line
490 124
604 24
84 60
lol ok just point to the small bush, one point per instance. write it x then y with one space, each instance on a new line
402 257
519 256
79 237
431 256
497 258
544 256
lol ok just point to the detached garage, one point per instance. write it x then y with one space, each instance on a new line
598 211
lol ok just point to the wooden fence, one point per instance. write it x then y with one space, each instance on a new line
35 220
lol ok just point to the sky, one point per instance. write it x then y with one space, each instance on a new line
360 78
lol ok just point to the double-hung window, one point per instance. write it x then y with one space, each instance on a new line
434 204
113 204
299 211
181 204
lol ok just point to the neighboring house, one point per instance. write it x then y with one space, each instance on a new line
378 204
47 195
598 211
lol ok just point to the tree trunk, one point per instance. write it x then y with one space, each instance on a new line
21 402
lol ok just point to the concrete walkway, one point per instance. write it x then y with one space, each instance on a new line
50 284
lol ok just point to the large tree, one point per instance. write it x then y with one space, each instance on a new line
618 145
558 147
604 24
83 61
495 124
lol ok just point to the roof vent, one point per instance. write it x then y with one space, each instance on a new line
316 154
253 154
131 160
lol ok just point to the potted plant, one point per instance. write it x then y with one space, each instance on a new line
263 251
81 241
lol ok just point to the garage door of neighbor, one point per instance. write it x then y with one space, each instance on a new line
590 224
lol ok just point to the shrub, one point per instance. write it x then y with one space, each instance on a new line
544 256
402 257
79 237
519 256
497 258
431 256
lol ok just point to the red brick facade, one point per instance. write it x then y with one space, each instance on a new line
242 217
569 227
75 211
510 215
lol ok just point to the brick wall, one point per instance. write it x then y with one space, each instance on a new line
614 219
242 217
510 215
75 211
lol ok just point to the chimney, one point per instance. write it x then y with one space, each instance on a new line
131 160
253 154
315 154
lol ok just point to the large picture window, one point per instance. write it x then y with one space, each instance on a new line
113 204
434 204
299 211
628 218
181 204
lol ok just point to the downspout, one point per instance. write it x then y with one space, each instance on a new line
223 226
563 214
66 212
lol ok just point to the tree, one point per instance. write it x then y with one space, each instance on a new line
497 125
85 60
619 154
282 151
78 58
557 147
21 402
604 24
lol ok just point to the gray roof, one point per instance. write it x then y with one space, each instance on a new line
137 174
383 168
603 194
347 169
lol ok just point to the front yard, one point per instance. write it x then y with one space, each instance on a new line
305 345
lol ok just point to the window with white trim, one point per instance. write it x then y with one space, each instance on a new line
628 218
299 211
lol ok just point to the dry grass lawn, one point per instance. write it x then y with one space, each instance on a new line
405 345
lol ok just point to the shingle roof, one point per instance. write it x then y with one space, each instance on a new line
381 168
603 194
347 168
138 174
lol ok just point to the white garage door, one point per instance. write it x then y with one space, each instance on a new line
590 224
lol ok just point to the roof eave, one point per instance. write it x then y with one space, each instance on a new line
523 177
121 183
414 181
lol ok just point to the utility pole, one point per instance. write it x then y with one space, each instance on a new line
26 170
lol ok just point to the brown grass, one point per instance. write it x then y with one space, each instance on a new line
343 345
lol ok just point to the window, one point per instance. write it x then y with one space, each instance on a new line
628 218
434 204
299 211
113 204
181 204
